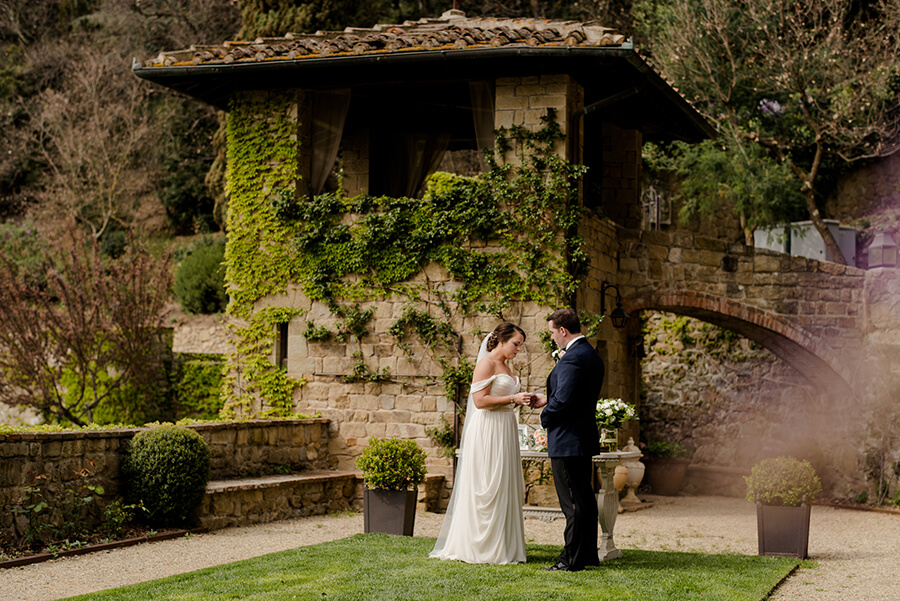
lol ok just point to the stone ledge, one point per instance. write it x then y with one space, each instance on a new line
277 480
279 497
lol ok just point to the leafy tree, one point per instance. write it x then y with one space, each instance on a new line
90 329
808 81
737 171
200 279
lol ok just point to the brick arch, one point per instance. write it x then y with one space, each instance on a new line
811 357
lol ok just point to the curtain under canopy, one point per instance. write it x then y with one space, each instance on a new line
329 113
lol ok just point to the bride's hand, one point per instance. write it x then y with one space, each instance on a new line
522 398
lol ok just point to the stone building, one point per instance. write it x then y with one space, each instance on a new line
385 104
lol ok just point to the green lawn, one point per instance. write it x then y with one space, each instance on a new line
382 567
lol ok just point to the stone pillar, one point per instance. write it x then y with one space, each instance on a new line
621 174
524 101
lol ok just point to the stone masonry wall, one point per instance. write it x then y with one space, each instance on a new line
620 179
525 100
236 449
412 400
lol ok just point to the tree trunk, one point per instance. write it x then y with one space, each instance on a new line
831 244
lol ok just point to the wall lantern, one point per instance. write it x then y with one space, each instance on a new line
882 251
618 316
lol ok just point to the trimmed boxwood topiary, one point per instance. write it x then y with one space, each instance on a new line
166 469
392 464
783 481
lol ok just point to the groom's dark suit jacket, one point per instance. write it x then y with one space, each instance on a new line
573 388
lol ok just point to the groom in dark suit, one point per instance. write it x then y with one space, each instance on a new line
573 388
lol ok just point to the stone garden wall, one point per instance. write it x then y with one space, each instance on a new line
236 449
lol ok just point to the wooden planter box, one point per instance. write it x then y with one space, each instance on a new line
783 531
665 476
389 511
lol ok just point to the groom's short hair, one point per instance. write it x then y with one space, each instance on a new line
566 318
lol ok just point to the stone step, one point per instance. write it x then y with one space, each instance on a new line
263 499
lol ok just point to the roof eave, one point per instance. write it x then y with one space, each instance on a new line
216 83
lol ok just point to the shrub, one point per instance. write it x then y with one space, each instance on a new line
392 464
661 449
200 280
783 481
166 469
198 390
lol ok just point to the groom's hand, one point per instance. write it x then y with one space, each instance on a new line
538 400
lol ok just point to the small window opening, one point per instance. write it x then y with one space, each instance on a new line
281 348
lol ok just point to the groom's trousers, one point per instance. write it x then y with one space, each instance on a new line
573 477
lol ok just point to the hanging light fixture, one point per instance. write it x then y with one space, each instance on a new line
618 317
883 251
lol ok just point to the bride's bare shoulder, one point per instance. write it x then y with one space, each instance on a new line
484 369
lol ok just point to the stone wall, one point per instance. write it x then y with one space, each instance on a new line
412 399
524 101
729 401
239 448
732 402
621 175
199 333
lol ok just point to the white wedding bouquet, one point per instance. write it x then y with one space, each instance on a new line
612 413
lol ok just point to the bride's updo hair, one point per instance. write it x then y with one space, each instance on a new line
502 333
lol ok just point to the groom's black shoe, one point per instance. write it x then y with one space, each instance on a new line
558 567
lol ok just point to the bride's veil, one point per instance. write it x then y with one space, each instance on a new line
451 505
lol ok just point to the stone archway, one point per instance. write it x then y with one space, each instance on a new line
812 358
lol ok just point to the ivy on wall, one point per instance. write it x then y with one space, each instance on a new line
503 237
264 155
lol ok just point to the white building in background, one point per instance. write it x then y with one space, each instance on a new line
801 239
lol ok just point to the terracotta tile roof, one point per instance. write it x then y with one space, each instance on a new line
453 30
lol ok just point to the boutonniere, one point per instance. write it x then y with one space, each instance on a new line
558 354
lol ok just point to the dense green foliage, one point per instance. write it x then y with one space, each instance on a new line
166 469
185 157
392 464
95 142
200 279
381 566
783 481
505 237
198 391
758 189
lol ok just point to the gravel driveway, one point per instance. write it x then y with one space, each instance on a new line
857 553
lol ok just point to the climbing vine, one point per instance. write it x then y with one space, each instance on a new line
506 236
263 151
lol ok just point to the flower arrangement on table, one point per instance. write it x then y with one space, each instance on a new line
612 413
538 440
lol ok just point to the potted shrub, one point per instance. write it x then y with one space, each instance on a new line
666 466
783 489
392 470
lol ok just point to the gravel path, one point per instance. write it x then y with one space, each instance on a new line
857 553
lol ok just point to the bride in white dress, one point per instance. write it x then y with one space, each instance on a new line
484 522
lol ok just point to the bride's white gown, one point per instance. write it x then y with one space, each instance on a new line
484 522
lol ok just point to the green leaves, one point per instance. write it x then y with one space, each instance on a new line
392 464
783 481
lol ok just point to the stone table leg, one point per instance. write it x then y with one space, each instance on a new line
608 508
